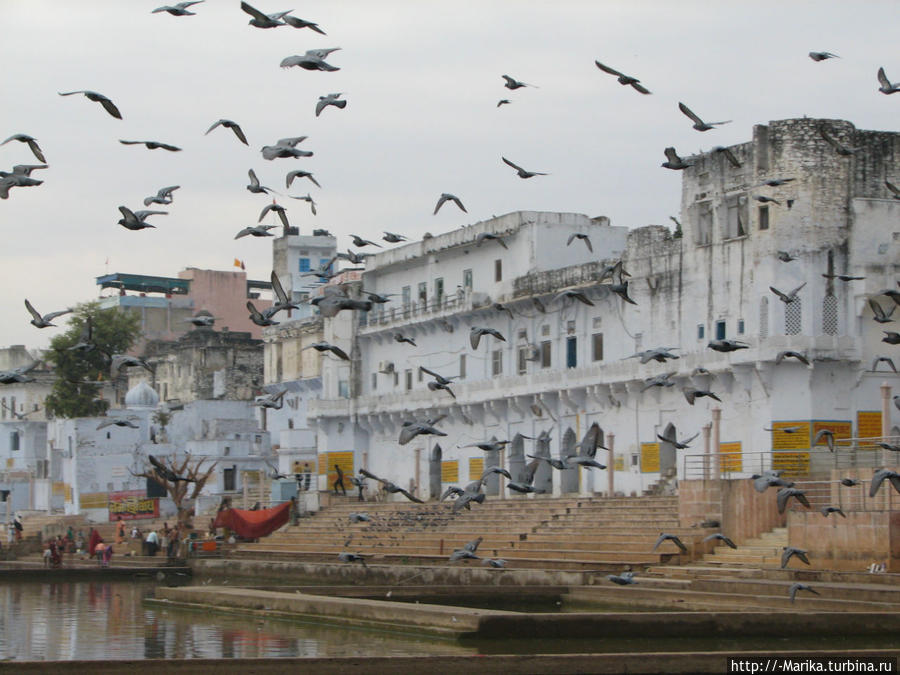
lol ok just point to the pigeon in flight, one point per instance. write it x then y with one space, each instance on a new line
691 394
359 242
277 208
787 298
797 586
658 381
699 124
445 197
285 148
119 422
887 87
299 174
520 171
152 145
784 494
512 83
306 198
256 231
623 79
476 332
889 446
775 182
850 482
393 238
330 99
721 537
22 170
32 145
891 337
503 101
843 277
258 318
296 22
822 56
135 220
679 445
228 124
108 105
261 20
574 294
484 236
880 476
254 186
582 237
762 199
39 321
839 147
16 180
438 377
784 256
671 537
526 484
893 188
728 155
624 579
282 301
328 347
763 482
314 59
883 359
201 320
374 297
181 9
621 289
352 558
400 337
390 487
273 401
828 510
120 361
163 196
673 161
790 552
727 345
791 354
19 374
659 354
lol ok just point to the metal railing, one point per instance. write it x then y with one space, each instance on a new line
380 316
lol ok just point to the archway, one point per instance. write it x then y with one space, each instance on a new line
434 472
543 475
492 482
517 459
568 477
667 452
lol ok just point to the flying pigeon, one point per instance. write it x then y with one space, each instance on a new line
108 105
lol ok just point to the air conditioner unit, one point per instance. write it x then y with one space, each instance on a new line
532 353
386 367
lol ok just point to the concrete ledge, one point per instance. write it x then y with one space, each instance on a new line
645 663
91 573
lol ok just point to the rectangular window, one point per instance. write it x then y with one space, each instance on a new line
597 350
720 330
462 366
571 352
419 370
407 295
304 265
704 224
343 388
13 440
740 327
764 217
467 280
396 378
498 270
438 291
228 479
545 354
374 381
522 360
408 380
545 330
701 331
497 362
423 293
735 217
570 327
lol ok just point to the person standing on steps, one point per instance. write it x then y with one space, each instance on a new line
339 481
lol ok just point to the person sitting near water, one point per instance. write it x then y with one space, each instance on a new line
120 531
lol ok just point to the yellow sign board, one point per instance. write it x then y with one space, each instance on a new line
791 463
649 457
93 500
59 489
620 463
323 463
790 435
450 471
868 425
10 462
840 429
476 467
731 459
343 459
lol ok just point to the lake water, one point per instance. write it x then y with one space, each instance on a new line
100 621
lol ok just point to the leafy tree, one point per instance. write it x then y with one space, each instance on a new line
80 374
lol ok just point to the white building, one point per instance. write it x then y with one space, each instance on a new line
566 367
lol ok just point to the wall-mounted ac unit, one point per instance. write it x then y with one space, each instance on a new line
386 367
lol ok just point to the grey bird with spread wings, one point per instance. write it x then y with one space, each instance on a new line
328 347
275 400
785 494
692 393
768 479
413 428
152 145
277 208
658 381
136 220
679 445
108 105
790 552
118 422
256 231
839 147
525 483
32 145
673 161
181 9
887 87
574 294
476 332
299 174
583 237
163 196
670 537
229 124
729 155
282 300
781 356
485 236
19 374
623 79
827 435
797 587
285 148
261 20
390 487
699 124
447 197
512 83
120 361
254 186
787 297
721 537
438 377
656 354
882 475
330 99
587 450
822 56
258 317
314 59
522 173
39 321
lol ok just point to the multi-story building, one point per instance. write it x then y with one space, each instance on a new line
566 364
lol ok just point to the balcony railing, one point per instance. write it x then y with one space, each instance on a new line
381 315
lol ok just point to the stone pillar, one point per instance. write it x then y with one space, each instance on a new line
707 428
611 466
418 472
716 423
885 420
501 485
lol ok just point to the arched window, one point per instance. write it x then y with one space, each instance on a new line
830 315
764 317
793 317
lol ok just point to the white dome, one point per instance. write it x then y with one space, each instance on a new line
141 396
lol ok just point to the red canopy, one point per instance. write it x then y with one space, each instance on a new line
254 524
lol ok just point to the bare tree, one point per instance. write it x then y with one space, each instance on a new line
177 478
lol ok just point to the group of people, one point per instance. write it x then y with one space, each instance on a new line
14 530
304 478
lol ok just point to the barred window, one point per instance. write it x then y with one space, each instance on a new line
830 315
793 317
764 317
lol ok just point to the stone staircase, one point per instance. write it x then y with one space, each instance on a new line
763 551
581 533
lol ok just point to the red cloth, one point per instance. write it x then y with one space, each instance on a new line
93 541
254 524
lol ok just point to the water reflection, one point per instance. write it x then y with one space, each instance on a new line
99 621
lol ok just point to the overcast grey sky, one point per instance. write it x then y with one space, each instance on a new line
422 80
